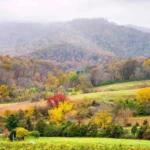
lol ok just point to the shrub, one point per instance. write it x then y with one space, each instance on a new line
129 136
145 122
134 129
12 135
82 130
52 130
40 125
146 135
21 133
101 133
141 131
92 130
116 131
35 134
12 122
72 131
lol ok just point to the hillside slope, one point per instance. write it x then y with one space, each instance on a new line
92 40
102 93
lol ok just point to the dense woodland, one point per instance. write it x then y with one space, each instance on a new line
24 79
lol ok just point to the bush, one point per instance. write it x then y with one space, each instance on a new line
129 136
35 134
134 129
12 122
82 130
12 135
92 130
115 131
145 122
141 131
72 131
21 133
146 135
101 133
141 110
40 126
52 130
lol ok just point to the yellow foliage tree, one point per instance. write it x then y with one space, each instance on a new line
7 113
57 115
146 64
29 112
51 82
103 119
21 132
7 62
143 96
4 91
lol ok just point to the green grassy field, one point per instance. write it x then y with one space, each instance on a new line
124 86
114 91
107 141
105 96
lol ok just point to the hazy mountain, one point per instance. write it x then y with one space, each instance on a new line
142 29
91 40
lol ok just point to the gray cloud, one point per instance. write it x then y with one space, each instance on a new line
120 11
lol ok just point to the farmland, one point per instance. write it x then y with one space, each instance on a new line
103 93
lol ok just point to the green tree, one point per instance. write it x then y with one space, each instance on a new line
134 129
12 122
29 124
40 125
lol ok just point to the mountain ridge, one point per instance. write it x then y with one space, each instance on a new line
77 39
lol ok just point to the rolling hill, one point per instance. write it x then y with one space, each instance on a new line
103 93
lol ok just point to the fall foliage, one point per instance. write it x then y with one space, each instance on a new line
103 119
143 96
57 115
56 99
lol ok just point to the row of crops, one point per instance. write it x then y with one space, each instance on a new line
62 146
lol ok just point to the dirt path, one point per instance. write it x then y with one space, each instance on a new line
21 105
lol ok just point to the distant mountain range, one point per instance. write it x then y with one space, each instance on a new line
142 29
82 40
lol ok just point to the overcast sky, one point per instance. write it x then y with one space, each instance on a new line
135 12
